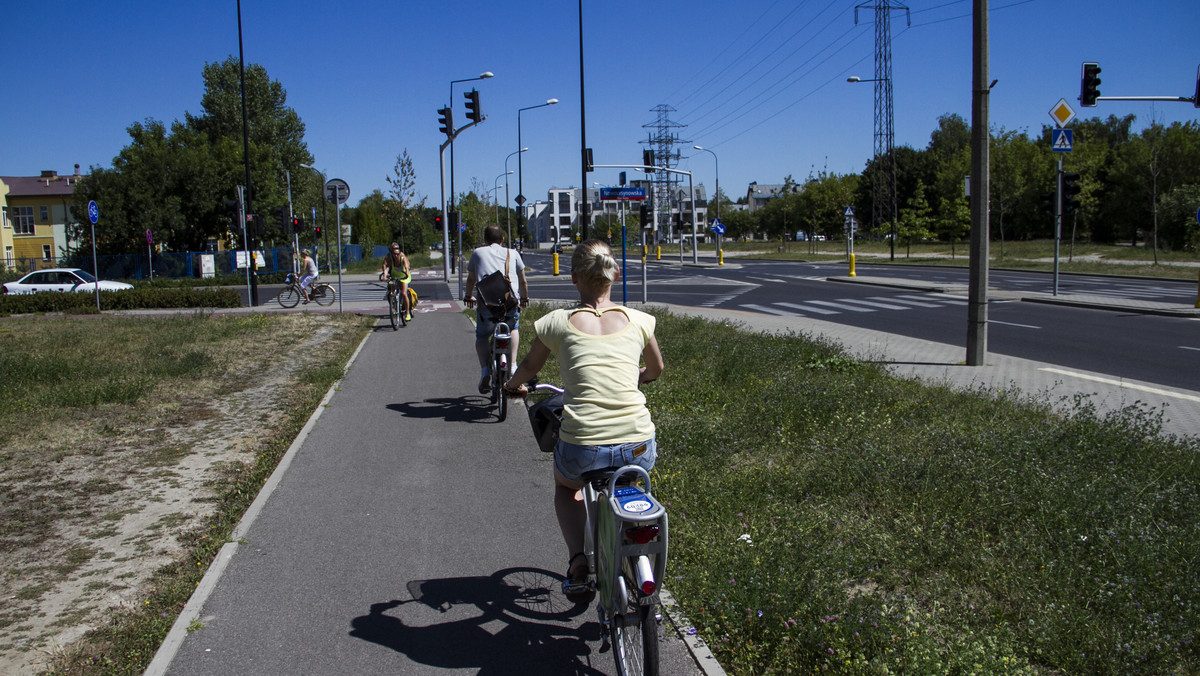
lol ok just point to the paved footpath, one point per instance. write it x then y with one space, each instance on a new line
406 532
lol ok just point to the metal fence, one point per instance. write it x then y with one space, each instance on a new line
186 264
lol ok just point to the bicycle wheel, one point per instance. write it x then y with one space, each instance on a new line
289 297
496 380
503 371
325 295
394 309
634 634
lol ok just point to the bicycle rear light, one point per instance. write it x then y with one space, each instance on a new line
641 534
645 576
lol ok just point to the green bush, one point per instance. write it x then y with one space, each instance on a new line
131 299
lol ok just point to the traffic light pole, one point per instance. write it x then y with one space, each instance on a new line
445 215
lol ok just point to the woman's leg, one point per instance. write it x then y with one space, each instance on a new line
572 517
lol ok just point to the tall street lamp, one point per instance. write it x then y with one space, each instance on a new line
482 76
883 192
495 187
716 195
520 195
507 210
321 175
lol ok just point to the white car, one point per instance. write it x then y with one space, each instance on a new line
61 279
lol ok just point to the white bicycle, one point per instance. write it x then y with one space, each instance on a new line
625 542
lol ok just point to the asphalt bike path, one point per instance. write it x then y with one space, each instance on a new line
407 532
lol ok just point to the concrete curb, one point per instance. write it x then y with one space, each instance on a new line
191 611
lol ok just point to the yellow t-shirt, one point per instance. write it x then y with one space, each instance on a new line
602 403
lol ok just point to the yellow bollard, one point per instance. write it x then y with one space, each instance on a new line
851 265
658 253
556 263
720 257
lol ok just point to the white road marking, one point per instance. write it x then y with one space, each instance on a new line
1123 384
808 308
769 310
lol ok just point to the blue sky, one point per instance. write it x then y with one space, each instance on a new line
760 82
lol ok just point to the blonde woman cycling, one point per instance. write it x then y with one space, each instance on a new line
395 265
600 346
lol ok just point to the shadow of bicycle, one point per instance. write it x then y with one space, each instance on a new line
471 408
515 621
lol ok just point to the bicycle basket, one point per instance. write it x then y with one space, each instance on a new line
546 417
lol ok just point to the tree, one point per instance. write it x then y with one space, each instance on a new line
403 209
915 221
177 183
1177 216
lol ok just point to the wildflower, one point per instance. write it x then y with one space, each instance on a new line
745 537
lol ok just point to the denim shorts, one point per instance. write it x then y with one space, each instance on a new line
573 461
485 323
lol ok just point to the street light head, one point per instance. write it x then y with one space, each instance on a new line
551 101
698 148
854 78
307 166
485 75
523 149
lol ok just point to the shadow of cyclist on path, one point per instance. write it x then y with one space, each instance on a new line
457 409
460 633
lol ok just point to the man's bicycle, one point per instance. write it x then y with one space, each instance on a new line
399 308
500 348
323 294
625 543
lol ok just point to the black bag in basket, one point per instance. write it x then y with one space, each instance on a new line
546 418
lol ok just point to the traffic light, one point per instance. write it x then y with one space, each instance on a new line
446 119
297 225
1048 201
644 215
621 179
648 160
474 112
453 218
1070 188
280 218
1089 83
437 223
317 231
587 160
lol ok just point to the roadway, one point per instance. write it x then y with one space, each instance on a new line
1164 350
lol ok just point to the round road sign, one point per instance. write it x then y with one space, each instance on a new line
93 211
337 191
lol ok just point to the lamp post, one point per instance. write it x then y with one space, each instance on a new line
495 187
520 194
482 76
321 174
507 210
717 195
888 134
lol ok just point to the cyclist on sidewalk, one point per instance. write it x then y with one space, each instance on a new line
395 265
605 421
484 261
308 272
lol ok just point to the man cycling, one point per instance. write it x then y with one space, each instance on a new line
484 261
395 265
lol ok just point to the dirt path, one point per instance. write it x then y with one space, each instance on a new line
111 495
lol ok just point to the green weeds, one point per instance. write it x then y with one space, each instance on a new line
829 516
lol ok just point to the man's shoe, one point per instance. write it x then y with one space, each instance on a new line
408 317
485 383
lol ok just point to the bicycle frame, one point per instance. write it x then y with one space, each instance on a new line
609 514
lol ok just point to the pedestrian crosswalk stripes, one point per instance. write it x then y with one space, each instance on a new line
846 305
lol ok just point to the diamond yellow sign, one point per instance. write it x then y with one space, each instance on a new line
1062 113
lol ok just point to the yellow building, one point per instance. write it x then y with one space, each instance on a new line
36 210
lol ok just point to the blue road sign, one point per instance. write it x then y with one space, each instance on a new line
93 211
849 211
717 226
1062 140
462 227
622 194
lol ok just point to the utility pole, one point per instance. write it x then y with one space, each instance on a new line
977 314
